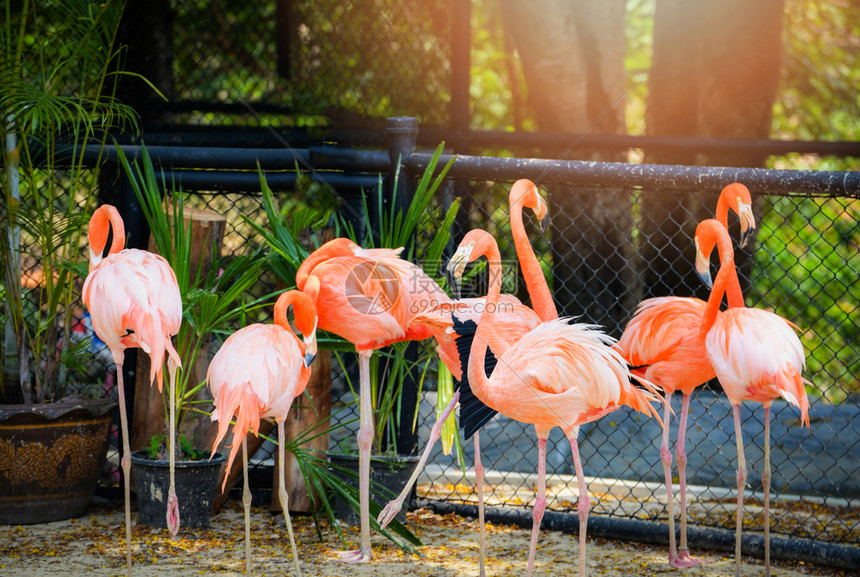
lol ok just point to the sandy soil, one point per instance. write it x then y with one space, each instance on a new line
94 546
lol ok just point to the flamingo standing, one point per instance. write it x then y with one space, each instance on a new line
134 301
663 343
453 325
257 373
366 296
558 374
756 355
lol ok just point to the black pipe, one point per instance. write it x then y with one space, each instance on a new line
225 181
657 533
647 176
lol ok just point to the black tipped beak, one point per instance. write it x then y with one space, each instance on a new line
544 224
454 284
705 277
746 235
309 358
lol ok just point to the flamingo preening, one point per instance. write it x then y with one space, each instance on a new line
558 374
257 373
134 301
366 296
662 342
453 325
757 357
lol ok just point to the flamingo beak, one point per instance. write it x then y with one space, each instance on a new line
456 267
544 223
703 267
747 223
310 346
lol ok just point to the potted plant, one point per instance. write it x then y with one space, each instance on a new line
58 68
215 298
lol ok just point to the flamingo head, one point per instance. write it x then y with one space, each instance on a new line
475 244
306 319
737 197
104 221
709 233
525 192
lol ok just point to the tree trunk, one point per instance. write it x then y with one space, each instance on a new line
573 60
714 74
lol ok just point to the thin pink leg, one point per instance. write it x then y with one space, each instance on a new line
584 501
540 504
172 501
684 557
282 492
246 504
393 507
365 439
742 476
125 462
765 479
479 485
666 458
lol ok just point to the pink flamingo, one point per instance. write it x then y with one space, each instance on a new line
756 355
256 374
134 301
455 322
663 343
366 296
559 374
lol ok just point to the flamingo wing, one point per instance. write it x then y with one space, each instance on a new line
757 355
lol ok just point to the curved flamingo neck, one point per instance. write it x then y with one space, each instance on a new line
477 377
539 294
105 218
331 249
303 308
722 212
725 281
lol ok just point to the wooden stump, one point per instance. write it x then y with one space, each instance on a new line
302 415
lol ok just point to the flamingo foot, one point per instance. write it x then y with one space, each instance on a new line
685 560
358 556
389 512
172 513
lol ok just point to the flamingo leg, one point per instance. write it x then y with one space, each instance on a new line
246 504
393 507
584 501
666 458
172 502
282 492
765 479
479 485
742 475
684 557
540 503
125 462
365 439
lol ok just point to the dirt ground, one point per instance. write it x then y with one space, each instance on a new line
93 545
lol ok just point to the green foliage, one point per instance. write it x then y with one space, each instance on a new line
58 67
803 273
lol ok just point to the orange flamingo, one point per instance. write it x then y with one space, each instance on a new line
453 325
559 374
366 296
663 343
134 301
757 357
257 373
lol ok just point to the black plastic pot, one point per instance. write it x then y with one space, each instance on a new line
196 486
51 456
388 476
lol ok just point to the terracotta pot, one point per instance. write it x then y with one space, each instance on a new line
51 456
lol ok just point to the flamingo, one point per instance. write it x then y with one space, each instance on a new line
663 343
134 301
559 374
453 325
757 357
366 296
257 373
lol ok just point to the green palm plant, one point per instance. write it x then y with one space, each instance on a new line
59 65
